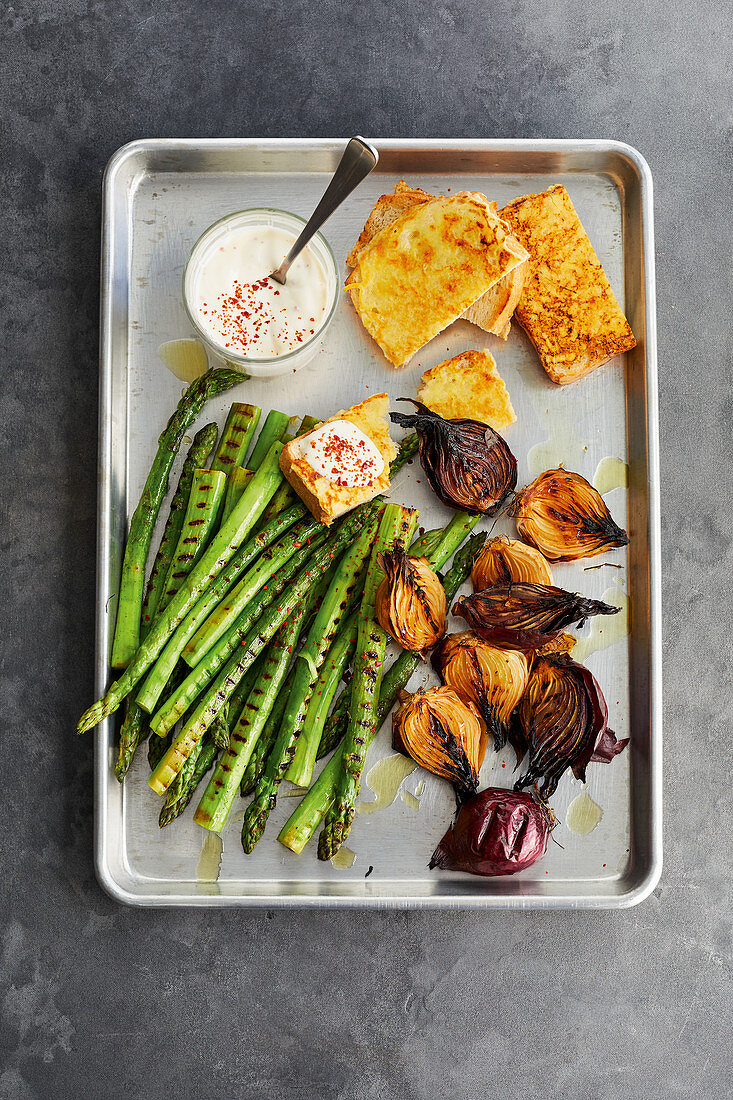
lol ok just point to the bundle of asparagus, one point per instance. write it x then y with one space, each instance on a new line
252 613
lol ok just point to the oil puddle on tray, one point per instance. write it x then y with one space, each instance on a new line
605 630
556 451
583 815
209 864
184 358
384 779
561 448
611 473
343 859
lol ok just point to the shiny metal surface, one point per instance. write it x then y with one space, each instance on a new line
158 196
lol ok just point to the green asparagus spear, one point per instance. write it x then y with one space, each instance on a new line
306 673
263 745
407 450
304 821
332 670
229 610
202 511
235 439
180 794
276 424
132 582
286 496
216 802
312 744
201 448
397 525
135 727
157 748
161 672
237 481
222 549
425 543
277 612
256 767
177 704
134 730
450 538
243 688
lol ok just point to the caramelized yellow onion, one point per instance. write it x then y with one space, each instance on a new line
410 602
502 559
566 518
493 680
441 733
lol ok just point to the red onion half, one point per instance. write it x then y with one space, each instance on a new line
496 832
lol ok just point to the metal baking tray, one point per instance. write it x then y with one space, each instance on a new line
158 197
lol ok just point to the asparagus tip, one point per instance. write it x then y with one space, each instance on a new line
92 717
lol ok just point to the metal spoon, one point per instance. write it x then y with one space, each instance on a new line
355 165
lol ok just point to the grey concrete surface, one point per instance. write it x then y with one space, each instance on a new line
102 1001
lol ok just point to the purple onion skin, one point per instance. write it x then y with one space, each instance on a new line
496 832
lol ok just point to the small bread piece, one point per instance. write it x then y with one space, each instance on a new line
493 310
567 309
470 386
418 274
326 499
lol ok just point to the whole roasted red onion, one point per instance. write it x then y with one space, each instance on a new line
468 464
496 832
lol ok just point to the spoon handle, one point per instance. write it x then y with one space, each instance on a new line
357 162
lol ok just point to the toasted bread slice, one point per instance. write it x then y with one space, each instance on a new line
567 308
325 498
420 273
470 386
493 310
385 211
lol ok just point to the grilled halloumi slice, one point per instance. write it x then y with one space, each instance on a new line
328 497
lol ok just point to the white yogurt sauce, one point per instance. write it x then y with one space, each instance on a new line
342 453
244 312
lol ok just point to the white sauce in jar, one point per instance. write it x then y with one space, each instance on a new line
342 453
245 313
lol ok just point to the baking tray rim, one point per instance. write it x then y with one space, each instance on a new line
648 877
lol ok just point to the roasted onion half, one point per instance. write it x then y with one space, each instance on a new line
566 518
561 722
494 680
496 832
410 602
441 733
468 464
503 559
526 616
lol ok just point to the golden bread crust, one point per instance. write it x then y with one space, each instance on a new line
420 273
322 497
567 308
493 311
468 385
386 210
